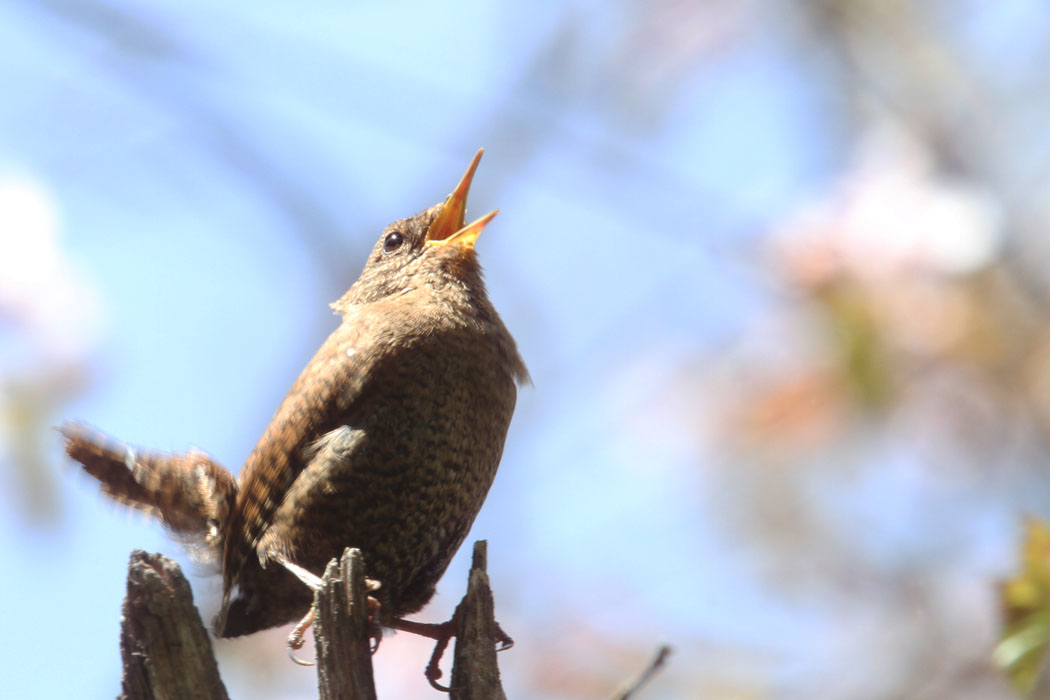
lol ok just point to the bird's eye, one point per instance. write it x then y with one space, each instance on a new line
392 241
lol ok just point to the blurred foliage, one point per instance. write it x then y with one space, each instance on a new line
1026 613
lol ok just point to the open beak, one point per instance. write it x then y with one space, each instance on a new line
448 226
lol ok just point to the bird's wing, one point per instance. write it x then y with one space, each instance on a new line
324 397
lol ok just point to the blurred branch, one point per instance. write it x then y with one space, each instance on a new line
625 692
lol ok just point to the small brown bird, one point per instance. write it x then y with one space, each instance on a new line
388 441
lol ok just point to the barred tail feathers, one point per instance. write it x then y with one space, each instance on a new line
189 492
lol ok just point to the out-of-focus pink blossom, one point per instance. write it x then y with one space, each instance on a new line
892 214
49 323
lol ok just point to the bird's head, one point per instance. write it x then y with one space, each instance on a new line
434 248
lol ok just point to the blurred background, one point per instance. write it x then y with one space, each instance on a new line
779 271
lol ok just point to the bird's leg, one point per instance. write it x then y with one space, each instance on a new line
314 583
312 580
441 633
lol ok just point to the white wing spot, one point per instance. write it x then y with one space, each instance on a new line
129 459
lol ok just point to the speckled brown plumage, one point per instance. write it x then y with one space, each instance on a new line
388 441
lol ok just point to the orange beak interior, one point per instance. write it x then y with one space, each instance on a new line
448 226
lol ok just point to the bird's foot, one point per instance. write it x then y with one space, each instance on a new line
442 633
296 639
375 631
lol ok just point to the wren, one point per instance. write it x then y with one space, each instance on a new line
388 441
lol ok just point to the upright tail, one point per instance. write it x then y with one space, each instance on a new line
189 492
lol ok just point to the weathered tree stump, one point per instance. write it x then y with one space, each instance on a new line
163 644
344 657
167 653
475 673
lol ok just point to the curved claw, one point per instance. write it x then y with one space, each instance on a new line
433 671
377 637
296 659
376 631
437 686
505 642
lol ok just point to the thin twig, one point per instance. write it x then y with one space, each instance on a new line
628 689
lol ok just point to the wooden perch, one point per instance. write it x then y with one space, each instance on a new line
167 652
341 635
475 674
163 644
